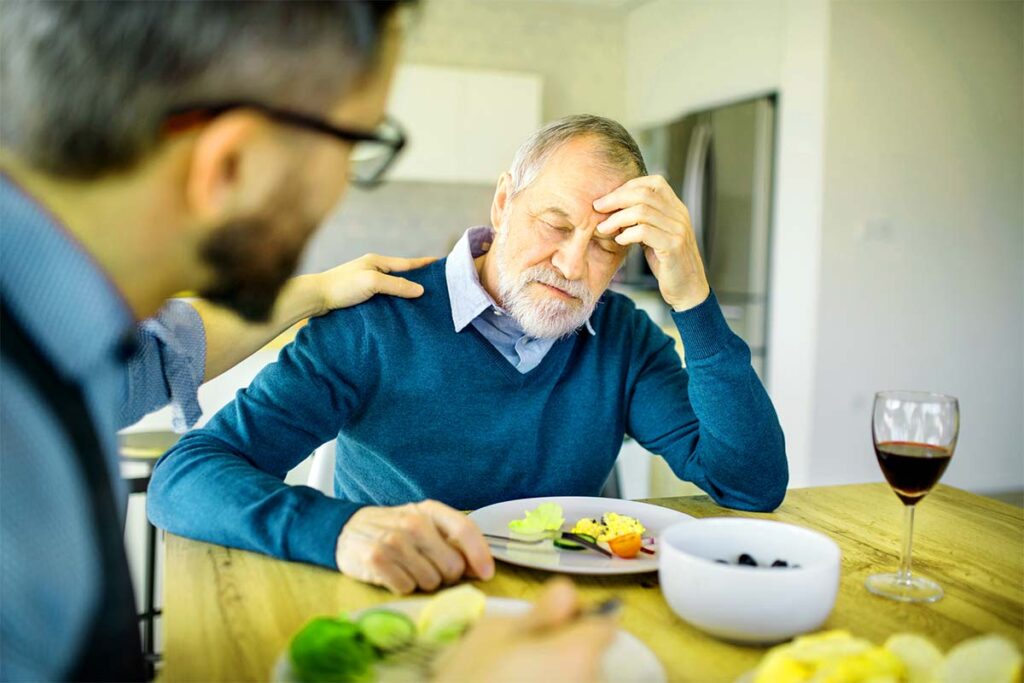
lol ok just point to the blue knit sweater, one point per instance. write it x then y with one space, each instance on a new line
420 411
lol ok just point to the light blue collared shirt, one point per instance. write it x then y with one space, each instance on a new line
168 367
472 305
50 581
49 562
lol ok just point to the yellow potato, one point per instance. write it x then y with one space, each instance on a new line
875 664
982 659
828 656
450 612
838 657
920 655
779 667
828 646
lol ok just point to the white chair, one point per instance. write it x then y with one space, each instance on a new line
321 470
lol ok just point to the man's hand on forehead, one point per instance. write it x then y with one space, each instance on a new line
647 211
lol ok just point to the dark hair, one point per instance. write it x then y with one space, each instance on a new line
86 85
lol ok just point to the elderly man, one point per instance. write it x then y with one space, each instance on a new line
516 374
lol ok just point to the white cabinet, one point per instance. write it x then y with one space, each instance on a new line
464 125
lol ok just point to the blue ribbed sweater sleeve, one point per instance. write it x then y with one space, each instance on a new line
224 483
712 421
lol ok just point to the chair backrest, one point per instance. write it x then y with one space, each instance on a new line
321 473
321 470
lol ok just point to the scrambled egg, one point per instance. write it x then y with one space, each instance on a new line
611 525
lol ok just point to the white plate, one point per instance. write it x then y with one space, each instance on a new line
494 519
627 660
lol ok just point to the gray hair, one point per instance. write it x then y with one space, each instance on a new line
616 148
87 85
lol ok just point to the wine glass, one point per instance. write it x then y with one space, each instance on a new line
914 434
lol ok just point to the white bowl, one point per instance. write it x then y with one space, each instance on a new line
748 604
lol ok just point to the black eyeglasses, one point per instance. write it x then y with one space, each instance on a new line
372 155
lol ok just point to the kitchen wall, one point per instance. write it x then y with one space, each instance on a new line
898 254
403 219
682 56
922 253
577 47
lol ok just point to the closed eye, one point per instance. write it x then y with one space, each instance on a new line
558 228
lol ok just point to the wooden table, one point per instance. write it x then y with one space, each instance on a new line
229 613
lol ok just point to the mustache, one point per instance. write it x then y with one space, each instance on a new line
546 276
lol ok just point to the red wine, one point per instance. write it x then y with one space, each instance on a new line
912 469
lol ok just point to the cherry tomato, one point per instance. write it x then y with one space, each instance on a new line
627 546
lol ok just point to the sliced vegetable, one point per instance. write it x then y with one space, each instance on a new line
386 630
450 613
627 546
569 544
331 649
566 544
542 520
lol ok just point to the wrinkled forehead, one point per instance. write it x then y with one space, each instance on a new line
572 179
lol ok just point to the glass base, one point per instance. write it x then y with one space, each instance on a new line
912 588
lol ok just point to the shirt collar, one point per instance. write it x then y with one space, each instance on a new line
59 293
468 297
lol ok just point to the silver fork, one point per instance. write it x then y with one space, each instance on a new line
565 534
516 540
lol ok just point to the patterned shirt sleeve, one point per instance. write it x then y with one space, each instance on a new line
167 367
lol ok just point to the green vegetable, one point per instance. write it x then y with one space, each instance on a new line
386 630
545 518
566 544
331 649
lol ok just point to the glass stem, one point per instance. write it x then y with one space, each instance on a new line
908 536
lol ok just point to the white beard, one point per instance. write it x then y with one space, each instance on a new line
543 317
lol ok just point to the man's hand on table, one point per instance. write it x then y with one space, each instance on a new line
647 211
415 546
548 644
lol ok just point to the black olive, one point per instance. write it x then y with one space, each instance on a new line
747 560
780 563
721 562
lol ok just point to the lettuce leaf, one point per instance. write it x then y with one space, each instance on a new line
544 518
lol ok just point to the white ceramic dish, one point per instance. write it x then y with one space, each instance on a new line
494 519
627 660
749 604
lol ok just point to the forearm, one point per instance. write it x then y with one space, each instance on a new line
712 422
203 490
231 339
740 456
225 483
741 451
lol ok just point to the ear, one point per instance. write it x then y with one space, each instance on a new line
501 200
216 184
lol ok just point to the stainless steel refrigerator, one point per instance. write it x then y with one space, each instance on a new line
720 163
